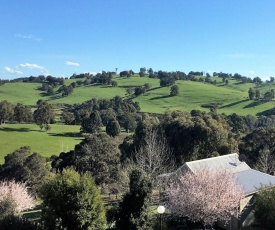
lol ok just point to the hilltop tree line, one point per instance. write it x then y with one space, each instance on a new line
105 77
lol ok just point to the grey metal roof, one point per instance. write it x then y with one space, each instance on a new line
230 162
251 180
248 179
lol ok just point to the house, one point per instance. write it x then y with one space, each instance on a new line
247 178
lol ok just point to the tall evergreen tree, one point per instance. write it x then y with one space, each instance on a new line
133 210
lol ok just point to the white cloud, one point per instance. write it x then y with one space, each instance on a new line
72 63
30 66
12 71
30 37
251 72
34 66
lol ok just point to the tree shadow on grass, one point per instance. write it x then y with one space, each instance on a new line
8 129
267 112
234 103
160 97
66 134
255 103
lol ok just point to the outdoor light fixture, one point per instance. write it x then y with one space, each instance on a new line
161 210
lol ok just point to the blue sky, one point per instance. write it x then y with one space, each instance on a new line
62 37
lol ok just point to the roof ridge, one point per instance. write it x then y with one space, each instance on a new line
210 158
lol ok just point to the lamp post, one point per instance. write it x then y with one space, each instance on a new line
161 210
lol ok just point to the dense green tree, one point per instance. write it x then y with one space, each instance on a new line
174 91
268 96
6 111
259 139
199 137
72 201
43 115
92 124
24 166
147 86
133 213
128 122
67 118
107 115
142 72
22 113
264 208
113 128
257 94
97 154
150 71
237 124
251 93
114 83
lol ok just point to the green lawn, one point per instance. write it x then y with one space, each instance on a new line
59 138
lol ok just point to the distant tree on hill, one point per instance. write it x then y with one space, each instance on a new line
251 93
139 90
150 71
114 83
43 115
174 91
268 96
22 113
6 111
257 94
142 71
147 86
257 80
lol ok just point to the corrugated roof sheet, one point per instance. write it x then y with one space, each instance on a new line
230 162
249 179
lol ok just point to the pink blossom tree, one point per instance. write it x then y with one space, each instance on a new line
205 196
15 196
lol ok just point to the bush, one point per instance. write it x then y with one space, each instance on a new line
18 223
72 201
264 208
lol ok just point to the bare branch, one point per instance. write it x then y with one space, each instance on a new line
154 157
266 161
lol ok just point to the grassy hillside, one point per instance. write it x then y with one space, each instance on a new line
59 138
232 98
